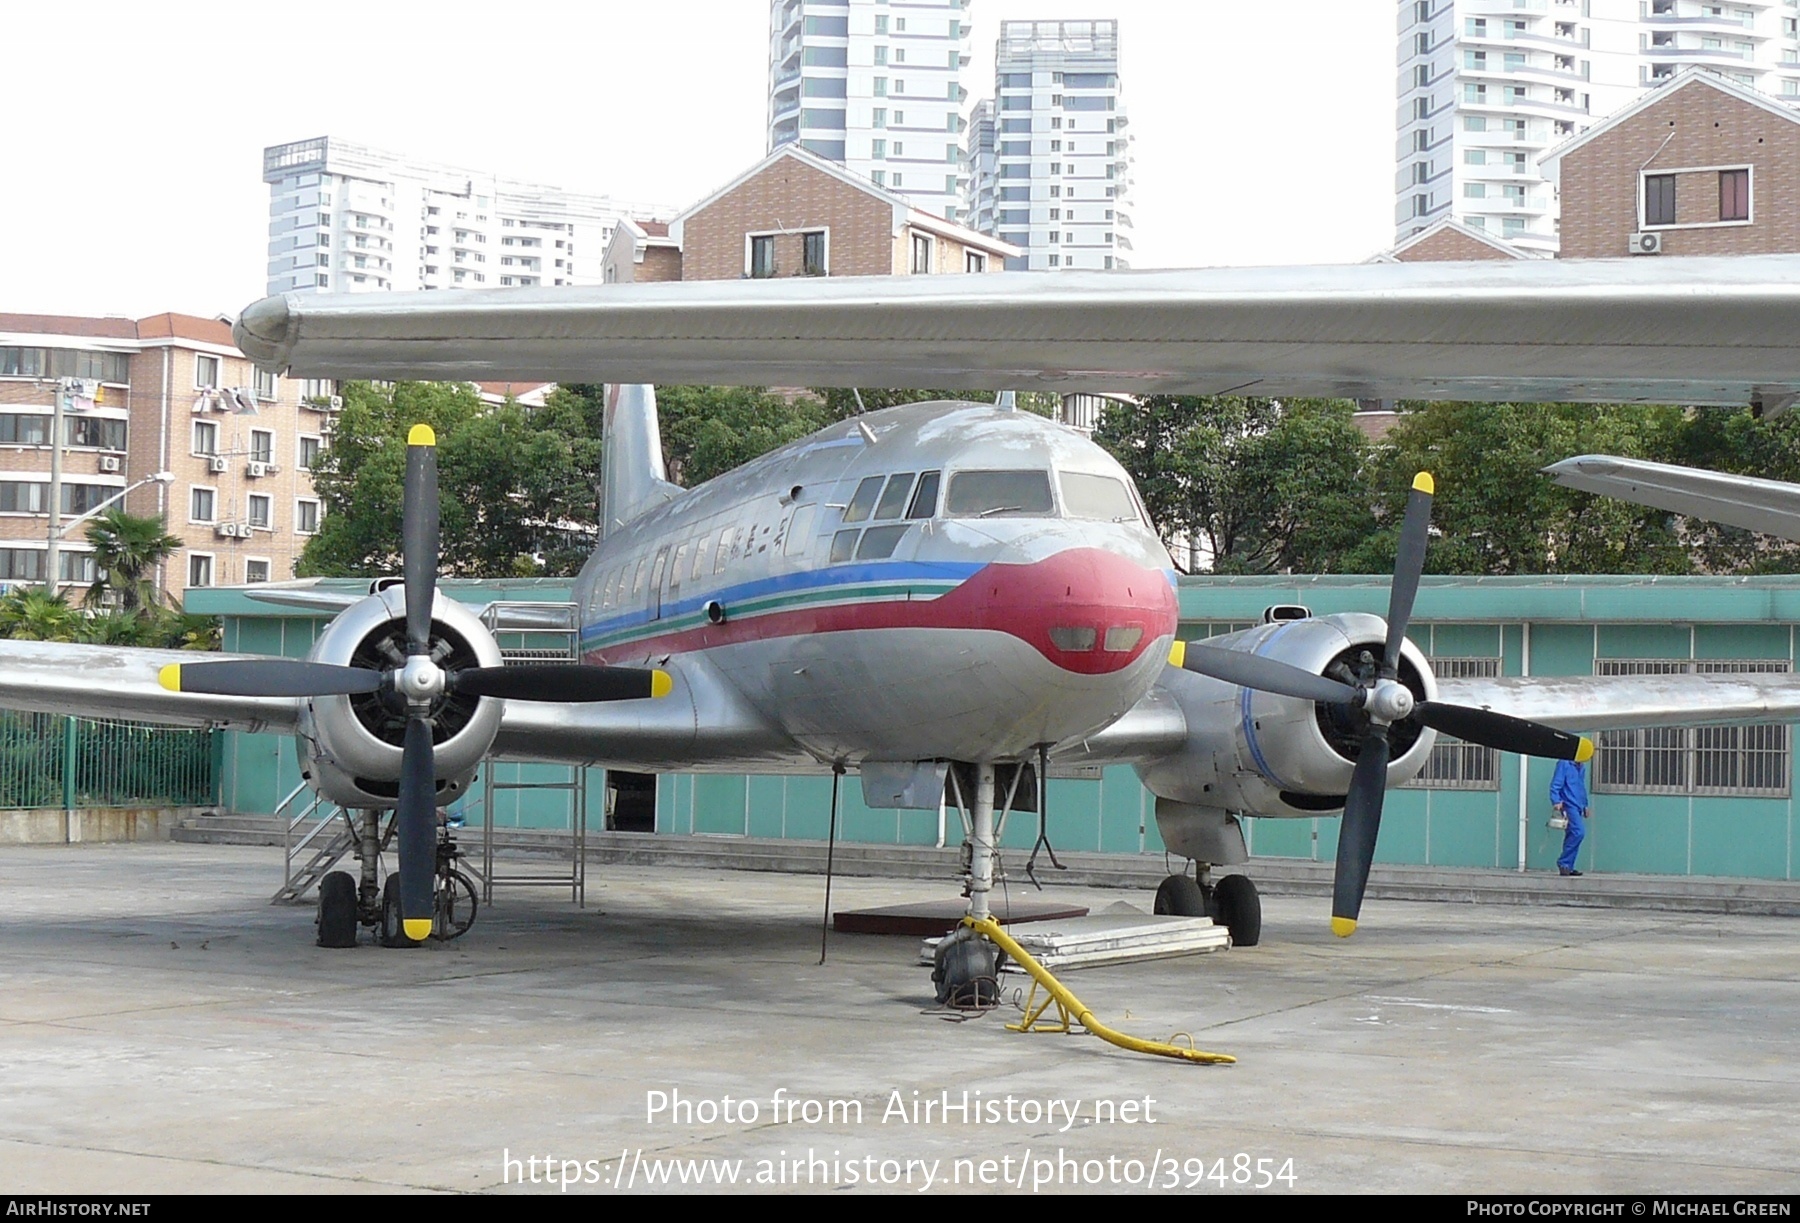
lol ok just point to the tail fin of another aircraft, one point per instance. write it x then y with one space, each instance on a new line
633 480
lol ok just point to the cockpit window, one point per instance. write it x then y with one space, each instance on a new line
864 500
1000 494
1097 498
893 499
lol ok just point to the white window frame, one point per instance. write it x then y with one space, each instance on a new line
213 491
218 369
1645 174
300 463
205 426
912 254
212 569
258 560
774 262
318 515
270 434
268 500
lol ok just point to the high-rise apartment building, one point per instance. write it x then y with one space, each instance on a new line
1052 173
875 85
348 219
1488 86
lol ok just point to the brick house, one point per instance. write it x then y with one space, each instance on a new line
164 394
1699 166
1448 240
796 214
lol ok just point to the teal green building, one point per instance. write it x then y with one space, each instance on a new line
1707 801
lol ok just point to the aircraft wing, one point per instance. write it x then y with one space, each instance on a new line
1769 506
1587 702
101 681
1691 330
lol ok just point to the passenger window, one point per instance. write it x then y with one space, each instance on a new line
637 579
799 532
843 546
679 567
878 543
1000 494
700 557
924 502
864 500
894 498
724 553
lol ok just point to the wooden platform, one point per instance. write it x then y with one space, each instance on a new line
930 918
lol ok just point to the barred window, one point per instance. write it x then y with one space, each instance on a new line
1741 760
1455 765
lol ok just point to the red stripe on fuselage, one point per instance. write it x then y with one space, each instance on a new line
1079 588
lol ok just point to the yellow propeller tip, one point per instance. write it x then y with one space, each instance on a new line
661 684
1425 484
421 435
170 677
1178 654
1343 927
1584 751
418 929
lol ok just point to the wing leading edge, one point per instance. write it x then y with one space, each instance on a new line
1692 330
1770 506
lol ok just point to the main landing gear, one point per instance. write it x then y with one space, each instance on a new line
346 902
1231 901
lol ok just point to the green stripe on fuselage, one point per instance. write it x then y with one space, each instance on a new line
879 592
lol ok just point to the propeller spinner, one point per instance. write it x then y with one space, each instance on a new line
1386 701
419 685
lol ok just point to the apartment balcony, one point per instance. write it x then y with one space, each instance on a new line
1715 57
1724 23
1512 205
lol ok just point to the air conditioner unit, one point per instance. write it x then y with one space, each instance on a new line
337 403
257 470
270 469
111 463
218 463
226 530
1645 244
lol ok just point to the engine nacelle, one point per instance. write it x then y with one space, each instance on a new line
350 745
1262 754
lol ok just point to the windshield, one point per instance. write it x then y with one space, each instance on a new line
1000 494
1099 498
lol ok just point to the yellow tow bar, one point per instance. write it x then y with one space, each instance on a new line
1071 1009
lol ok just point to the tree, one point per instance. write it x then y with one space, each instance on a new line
1495 513
31 613
127 550
1741 444
1256 485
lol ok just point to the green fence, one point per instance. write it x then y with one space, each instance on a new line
49 760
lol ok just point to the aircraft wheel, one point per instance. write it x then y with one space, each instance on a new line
1180 896
1238 908
966 973
337 910
393 928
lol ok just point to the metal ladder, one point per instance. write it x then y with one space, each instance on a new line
575 877
327 851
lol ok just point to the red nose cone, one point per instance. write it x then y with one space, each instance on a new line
1084 609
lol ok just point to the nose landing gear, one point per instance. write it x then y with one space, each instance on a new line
345 903
1231 902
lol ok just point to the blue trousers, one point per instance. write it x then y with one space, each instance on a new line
1572 839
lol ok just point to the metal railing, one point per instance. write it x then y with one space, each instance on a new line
53 760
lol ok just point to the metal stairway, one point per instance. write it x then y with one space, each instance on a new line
327 851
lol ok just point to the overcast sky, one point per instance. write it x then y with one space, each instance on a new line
133 178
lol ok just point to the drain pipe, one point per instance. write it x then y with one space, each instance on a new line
1524 761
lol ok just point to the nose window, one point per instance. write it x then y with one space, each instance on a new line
1076 639
1097 498
1000 494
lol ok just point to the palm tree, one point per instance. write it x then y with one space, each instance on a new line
127 550
30 613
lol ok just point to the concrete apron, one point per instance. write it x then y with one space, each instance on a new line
53 826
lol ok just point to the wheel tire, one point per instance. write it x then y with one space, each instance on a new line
1238 908
337 910
966 973
1180 896
454 906
393 928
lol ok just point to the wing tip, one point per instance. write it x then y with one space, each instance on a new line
170 677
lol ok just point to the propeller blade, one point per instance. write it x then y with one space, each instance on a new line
416 820
1263 674
1502 731
563 683
273 678
419 536
1356 838
1409 563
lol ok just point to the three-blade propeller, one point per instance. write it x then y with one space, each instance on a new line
419 684
1386 701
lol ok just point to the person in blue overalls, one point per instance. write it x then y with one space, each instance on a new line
1569 795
